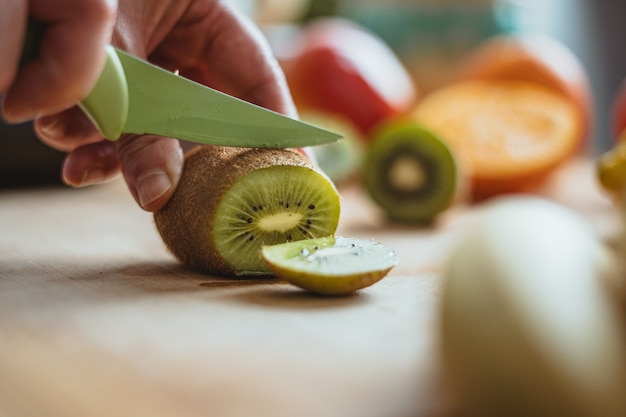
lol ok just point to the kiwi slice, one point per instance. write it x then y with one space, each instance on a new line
410 172
331 265
230 202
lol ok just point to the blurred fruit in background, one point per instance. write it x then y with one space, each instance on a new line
611 165
532 323
508 136
518 108
611 169
345 65
339 67
340 160
536 58
410 173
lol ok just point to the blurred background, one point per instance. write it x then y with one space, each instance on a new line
428 36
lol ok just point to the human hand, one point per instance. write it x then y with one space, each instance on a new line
70 59
205 40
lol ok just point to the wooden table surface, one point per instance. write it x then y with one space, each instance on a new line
97 318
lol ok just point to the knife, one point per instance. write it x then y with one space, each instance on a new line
135 96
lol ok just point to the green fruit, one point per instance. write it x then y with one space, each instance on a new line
528 325
410 173
611 168
340 160
331 265
231 202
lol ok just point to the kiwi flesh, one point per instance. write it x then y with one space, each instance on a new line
331 265
232 201
410 173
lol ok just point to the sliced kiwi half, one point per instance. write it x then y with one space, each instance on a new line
231 202
410 172
331 265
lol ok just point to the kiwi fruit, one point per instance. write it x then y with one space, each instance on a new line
410 172
232 201
331 265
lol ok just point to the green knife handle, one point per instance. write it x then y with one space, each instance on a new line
107 103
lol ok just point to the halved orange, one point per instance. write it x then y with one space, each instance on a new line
507 135
538 58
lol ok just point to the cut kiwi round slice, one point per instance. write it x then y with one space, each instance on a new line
231 202
410 173
331 265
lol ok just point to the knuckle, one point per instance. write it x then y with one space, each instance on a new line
138 153
132 150
103 10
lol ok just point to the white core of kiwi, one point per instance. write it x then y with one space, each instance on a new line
280 222
407 174
410 173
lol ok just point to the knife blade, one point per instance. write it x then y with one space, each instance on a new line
135 96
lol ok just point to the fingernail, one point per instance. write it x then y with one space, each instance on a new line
12 117
153 185
47 126
91 176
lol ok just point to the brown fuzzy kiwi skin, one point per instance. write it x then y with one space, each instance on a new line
186 221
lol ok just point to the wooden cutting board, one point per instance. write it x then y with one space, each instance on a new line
97 319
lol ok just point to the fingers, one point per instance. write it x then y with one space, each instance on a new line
14 15
67 130
71 56
91 160
91 164
152 167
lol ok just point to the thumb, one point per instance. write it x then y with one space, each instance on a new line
152 167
